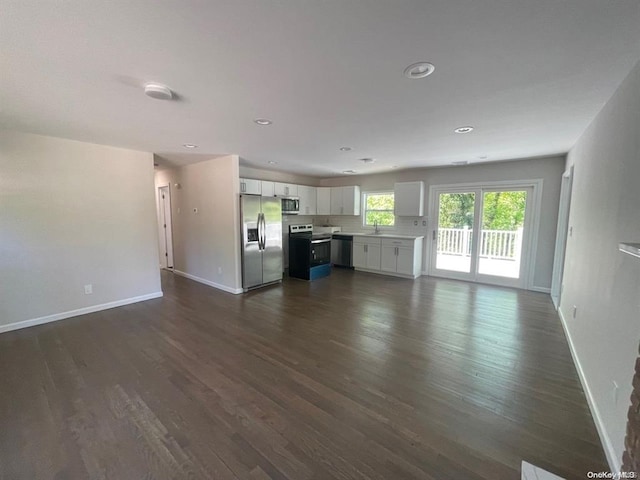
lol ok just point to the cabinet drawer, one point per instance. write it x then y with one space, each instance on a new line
397 242
367 240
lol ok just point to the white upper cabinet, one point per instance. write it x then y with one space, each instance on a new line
409 199
248 185
308 200
336 201
267 189
345 200
351 200
286 189
323 195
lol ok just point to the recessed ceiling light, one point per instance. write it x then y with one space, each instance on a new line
460 162
158 91
271 162
483 157
368 160
419 70
466 129
190 145
263 121
345 149
349 172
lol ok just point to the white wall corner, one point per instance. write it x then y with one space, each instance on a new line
74 313
615 463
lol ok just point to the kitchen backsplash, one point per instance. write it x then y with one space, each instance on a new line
353 224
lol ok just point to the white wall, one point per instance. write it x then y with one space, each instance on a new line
206 244
603 283
549 169
71 214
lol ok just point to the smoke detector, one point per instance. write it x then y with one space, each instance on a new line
158 91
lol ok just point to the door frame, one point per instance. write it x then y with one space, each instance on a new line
529 246
562 232
165 235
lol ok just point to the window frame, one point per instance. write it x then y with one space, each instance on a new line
365 210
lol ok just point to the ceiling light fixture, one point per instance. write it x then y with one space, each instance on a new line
466 129
158 91
483 157
349 172
271 162
189 145
460 163
368 160
263 121
345 149
419 70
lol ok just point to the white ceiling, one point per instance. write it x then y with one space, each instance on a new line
528 75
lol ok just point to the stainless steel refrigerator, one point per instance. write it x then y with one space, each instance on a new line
261 219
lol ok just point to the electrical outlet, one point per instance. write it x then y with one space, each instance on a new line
88 289
615 392
424 223
415 222
575 311
571 231
195 210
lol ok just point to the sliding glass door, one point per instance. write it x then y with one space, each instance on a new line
481 234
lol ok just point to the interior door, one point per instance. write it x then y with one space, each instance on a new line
166 229
250 209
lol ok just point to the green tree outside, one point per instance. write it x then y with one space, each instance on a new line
502 210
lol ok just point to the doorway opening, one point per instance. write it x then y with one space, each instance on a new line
165 233
483 233
561 237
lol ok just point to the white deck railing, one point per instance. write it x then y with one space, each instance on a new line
499 244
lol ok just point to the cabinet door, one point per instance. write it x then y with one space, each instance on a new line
251 186
405 260
336 201
323 195
351 200
409 199
388 259
307 200
292 190
279 189
267 189
359 255
373 256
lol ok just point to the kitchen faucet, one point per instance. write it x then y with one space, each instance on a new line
375 227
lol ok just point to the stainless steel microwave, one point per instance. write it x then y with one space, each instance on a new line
290 205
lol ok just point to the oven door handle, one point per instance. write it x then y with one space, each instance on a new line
321 241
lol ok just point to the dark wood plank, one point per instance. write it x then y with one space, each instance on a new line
355 376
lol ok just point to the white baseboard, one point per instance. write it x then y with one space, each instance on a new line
219 286
540 289
615 463
74 313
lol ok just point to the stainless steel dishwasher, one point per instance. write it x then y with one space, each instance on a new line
341 250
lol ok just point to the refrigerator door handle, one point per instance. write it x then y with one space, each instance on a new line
261 231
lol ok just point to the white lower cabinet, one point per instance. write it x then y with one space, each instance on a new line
388 255
366 253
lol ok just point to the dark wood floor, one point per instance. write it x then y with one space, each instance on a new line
355 376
